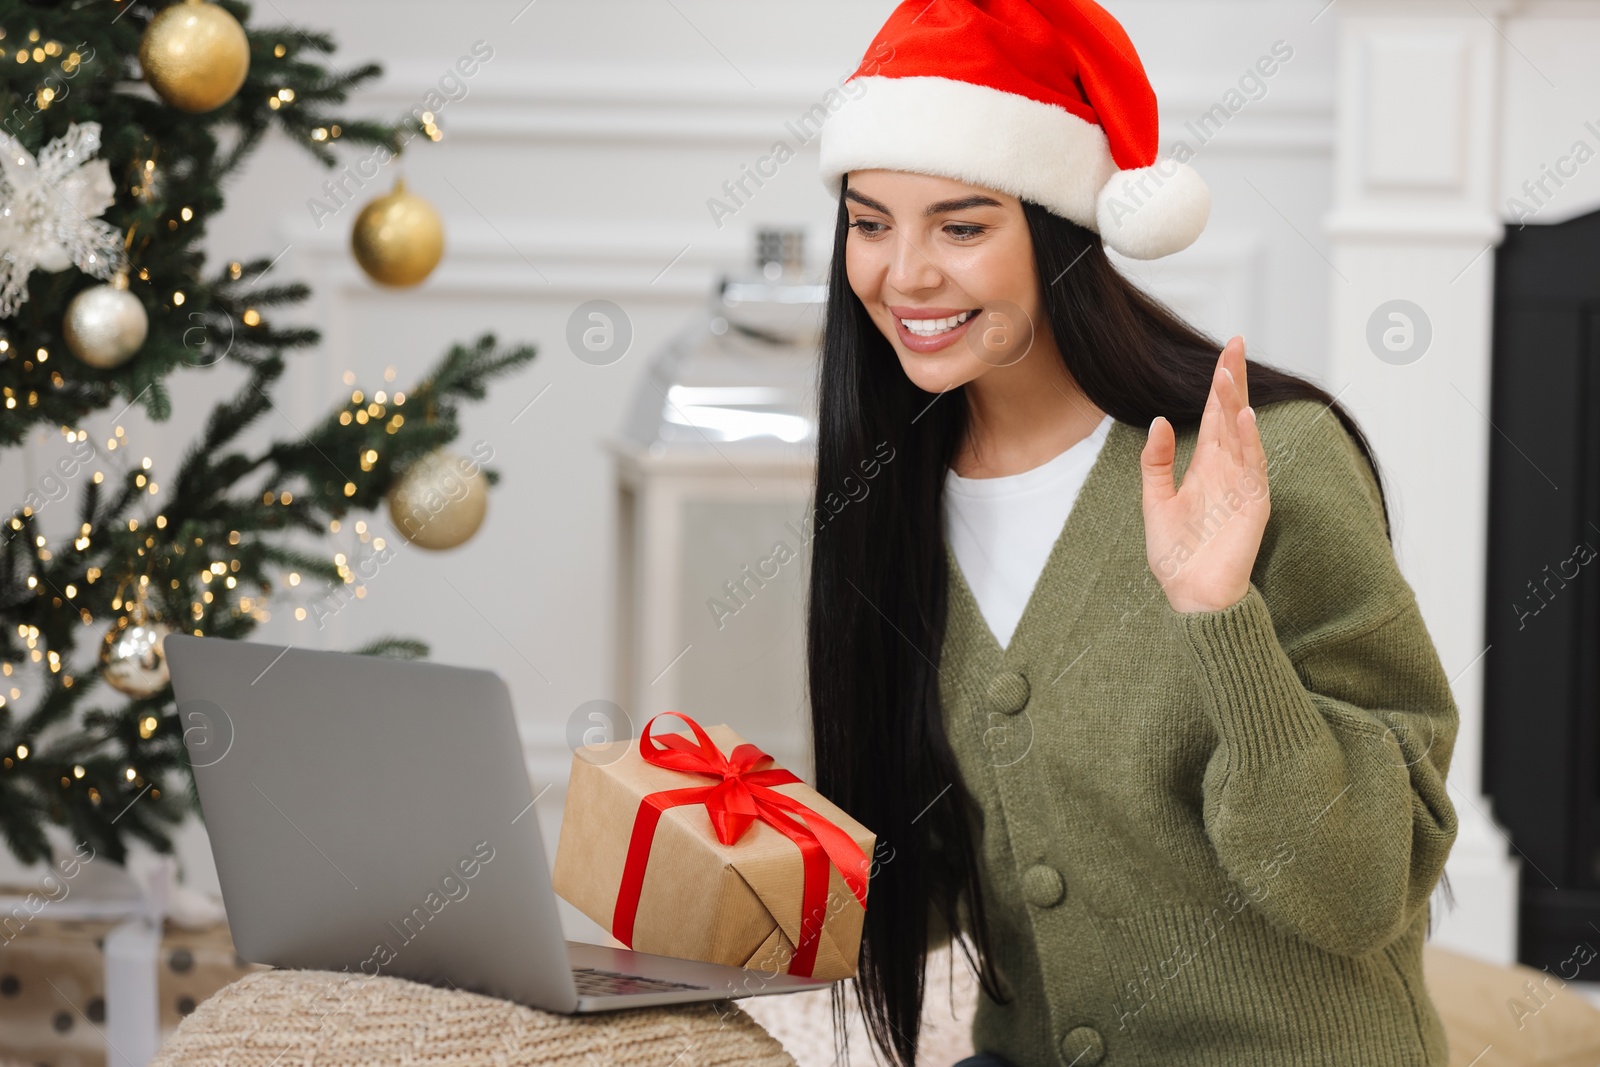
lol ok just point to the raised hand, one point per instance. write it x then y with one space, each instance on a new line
1201 539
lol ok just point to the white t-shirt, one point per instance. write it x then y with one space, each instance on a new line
1002 529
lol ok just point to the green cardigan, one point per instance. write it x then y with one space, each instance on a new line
1210 837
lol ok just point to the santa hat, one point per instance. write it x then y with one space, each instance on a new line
1042 99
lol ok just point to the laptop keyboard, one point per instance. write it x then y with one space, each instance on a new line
598 983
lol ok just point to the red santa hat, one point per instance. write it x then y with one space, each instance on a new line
1042 99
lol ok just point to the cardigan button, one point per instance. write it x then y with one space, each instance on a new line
1082 1046
1008 692
1043 886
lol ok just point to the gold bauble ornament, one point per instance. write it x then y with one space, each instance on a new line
439 501
398 238
132 659
105 324
195 56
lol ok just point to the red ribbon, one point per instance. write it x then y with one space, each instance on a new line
740 797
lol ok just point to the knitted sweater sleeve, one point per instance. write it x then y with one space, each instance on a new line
1325 796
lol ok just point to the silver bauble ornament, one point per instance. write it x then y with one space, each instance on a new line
439 501
132 659
105 324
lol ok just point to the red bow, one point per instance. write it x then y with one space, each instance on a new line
740 798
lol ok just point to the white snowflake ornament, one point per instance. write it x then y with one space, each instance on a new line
49 210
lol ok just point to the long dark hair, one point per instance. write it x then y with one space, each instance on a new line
875 615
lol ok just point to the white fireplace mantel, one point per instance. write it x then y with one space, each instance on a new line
1440 103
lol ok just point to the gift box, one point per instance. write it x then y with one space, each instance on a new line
58 997
705 849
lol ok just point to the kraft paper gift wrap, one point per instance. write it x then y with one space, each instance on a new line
719 882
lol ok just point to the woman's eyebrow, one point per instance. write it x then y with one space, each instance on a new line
941 207
961 203
867 201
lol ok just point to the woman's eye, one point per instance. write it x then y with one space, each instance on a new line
865 227
964 233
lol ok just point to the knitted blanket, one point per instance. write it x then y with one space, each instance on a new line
292 1018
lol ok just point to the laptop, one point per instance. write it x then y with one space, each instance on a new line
374 816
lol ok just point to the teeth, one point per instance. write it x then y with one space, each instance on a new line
929 327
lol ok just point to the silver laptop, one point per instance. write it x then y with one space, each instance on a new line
374 815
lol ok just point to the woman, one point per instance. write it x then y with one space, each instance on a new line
1117 661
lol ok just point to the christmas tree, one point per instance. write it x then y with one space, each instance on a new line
119 123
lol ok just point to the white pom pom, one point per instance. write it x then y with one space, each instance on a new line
1153 211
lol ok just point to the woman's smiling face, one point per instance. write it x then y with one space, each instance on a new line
955 260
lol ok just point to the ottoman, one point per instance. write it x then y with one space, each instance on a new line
295 1018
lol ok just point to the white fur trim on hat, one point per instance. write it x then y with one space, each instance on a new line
974 134
1153 211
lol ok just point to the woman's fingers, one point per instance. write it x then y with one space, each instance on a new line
1233 359
1220 420
1228 397
1156 462
1255 458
